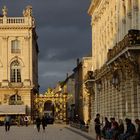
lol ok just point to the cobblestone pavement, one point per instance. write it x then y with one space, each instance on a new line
52 132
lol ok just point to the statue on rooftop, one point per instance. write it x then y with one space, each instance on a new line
28 11
4 11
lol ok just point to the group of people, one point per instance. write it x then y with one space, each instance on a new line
42 121
114 130
8 121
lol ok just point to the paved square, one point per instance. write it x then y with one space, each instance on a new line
52 132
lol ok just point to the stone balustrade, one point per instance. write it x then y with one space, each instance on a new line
14 84
16 21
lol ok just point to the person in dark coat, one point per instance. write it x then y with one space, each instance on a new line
7 123
130 131
44 123
38 122
120 129
137 137
98 127
106 127
121 126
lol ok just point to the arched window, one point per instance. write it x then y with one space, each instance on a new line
15 46
15 71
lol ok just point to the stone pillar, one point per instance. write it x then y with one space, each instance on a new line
129 14
135 14
134 96
96 99
27 51
138 98
5 58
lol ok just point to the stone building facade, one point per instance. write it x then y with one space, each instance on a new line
18 61
116 58
82 93
86 90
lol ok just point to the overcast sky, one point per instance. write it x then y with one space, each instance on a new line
64 31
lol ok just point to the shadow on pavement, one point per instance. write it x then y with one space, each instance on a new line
80 133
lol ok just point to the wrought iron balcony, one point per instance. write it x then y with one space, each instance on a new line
89 76
89 79
130 42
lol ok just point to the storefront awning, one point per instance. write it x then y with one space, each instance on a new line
12 109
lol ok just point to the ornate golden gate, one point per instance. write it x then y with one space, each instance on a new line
52 103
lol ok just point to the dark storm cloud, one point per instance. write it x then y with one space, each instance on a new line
68 43
64 31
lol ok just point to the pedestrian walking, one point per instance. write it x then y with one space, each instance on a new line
44 123
7 123
26 119
98 127
38 122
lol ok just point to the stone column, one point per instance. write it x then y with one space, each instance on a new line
96 99
5 58
135 14
27 61
129 14
123 19
135 95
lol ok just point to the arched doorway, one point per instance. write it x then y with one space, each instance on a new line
49 111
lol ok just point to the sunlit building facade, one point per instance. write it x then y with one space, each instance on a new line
18 63
83 94
116 58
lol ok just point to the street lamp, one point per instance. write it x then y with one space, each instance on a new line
115 80
99 86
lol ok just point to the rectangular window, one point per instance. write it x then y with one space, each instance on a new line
15 46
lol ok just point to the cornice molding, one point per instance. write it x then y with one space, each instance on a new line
97 4
16 27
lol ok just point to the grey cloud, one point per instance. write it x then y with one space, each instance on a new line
68 43
53 72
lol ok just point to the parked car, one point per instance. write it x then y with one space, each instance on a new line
49 120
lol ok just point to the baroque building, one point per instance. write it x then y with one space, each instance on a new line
115 58
18 63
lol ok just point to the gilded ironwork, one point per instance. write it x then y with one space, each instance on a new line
59 101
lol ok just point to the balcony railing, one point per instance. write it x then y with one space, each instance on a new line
16 21
18 84
131 40
89 76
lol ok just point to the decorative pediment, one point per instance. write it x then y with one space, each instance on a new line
18 59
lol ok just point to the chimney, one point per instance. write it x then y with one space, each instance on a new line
67 75
77 61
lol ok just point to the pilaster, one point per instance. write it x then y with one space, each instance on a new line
5 57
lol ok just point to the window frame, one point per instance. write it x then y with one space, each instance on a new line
15 46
